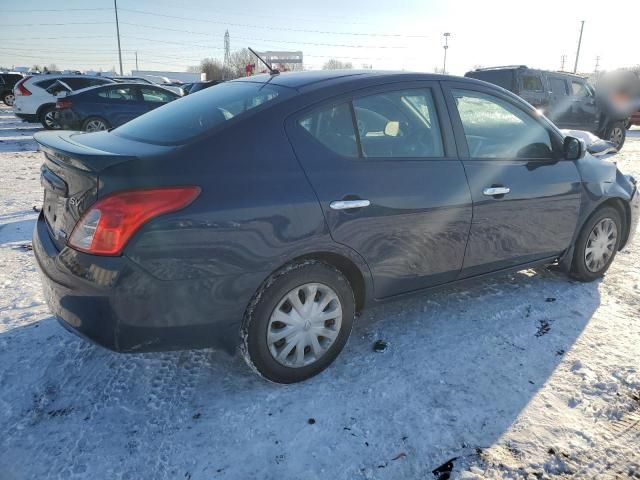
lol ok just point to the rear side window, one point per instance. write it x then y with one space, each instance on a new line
502 78
76 83
398 124
189 117
531 83
558 86
333 127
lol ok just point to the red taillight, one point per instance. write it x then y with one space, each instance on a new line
60 104
108 225
20 89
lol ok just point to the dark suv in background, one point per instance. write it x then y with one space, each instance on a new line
566 99
7 82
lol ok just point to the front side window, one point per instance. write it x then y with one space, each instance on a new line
333 127
531 83
558 86
155 95
401 123
579 89
126 94
494 128
189 117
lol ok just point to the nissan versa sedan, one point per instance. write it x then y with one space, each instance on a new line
263 213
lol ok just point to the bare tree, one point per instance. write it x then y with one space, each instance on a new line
211 67
53 67
334 64
239 60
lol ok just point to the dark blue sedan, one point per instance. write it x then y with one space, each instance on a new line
264 212
108 106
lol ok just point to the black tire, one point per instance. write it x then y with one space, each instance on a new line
628 124
579 268
45 118
8 99
255 348
617 133
90 120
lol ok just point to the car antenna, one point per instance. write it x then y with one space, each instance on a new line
272 71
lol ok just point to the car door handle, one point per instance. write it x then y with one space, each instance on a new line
349 204
492 191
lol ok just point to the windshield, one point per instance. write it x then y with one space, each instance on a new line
191 116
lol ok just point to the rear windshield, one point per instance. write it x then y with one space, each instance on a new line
189 117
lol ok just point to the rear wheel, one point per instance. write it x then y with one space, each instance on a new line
8 99
597 245
298 322
95 124
47 118
617 134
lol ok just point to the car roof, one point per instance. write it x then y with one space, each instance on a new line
309 80
524 67
122 84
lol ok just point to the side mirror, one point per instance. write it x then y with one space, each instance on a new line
574 148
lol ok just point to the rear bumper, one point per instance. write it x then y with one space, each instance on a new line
68 119
113 302
634 207
27 117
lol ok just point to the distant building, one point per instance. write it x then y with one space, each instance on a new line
284 61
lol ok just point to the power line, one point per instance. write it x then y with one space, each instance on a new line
37 10
208 34
209 21
54 24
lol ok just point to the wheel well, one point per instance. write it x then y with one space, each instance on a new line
347 268
42 107
625 213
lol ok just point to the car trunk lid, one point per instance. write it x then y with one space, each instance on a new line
70 178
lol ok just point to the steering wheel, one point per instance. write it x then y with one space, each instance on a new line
416 143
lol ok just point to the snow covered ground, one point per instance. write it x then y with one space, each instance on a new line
527 375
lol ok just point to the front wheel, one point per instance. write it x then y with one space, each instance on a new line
616 134
298 322
597 245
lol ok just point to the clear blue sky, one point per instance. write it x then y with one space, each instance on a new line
398 34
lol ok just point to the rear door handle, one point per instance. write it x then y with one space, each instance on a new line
349 204
492 191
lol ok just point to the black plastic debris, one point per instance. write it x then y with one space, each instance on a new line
380 346
544 326
443 472
550 299
311 421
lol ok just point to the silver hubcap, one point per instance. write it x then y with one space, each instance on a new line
95 126
616 136
600 244
9 99
304 325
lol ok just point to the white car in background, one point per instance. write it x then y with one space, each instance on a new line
35 96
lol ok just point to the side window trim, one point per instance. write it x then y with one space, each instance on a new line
458 129
449 144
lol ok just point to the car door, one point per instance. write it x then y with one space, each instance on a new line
531 89
152 98
526 198
559 108
384 167
120 103
584 110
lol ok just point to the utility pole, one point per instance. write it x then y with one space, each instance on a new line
137 60
597 63
575 66
115 7
226 64
563 59
446 36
